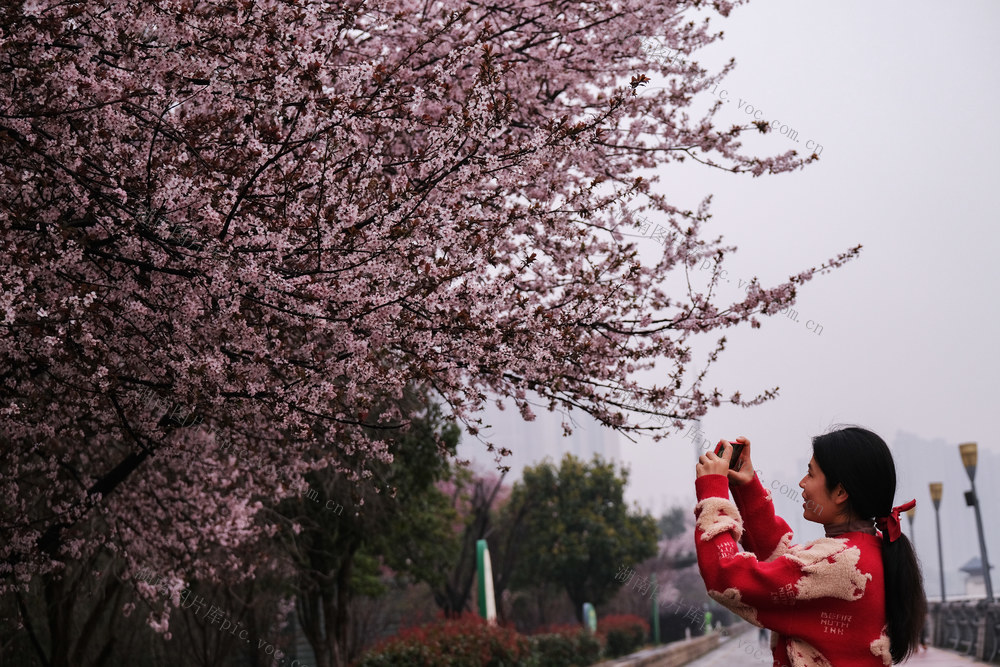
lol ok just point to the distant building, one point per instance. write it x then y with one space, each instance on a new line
975 583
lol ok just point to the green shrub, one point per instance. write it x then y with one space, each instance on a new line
565 647
623 633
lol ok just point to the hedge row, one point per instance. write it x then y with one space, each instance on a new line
469 641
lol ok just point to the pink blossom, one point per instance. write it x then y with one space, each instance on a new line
275 217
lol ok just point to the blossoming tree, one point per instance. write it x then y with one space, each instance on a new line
234 230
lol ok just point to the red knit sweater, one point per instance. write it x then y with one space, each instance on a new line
824 601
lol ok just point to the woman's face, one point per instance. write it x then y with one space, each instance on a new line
819 504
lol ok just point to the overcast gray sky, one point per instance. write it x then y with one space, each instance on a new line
904 100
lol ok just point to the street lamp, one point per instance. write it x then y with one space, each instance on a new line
936 499
968 451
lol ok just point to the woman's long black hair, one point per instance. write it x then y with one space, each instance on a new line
861 461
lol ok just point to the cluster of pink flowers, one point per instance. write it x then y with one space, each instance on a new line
370 199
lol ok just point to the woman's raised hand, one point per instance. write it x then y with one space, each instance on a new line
711 463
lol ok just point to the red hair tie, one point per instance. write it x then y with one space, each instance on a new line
890 524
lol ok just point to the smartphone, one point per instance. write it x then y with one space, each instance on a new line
734 463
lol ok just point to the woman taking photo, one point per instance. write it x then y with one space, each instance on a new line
854 597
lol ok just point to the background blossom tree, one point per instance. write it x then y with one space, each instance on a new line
272 217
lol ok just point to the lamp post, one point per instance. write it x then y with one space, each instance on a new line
936 499
968 451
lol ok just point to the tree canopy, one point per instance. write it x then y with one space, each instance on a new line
234 233
577 530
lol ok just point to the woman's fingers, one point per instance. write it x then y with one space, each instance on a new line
744 471
723 450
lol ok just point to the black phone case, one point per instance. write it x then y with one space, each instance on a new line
734 463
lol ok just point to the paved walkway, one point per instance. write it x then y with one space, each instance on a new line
744 650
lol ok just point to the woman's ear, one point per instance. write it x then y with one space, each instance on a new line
840 495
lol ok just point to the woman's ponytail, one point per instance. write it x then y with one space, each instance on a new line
905 602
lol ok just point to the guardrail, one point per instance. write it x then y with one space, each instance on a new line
971 627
